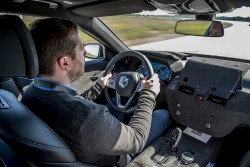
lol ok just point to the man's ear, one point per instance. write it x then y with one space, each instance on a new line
64 62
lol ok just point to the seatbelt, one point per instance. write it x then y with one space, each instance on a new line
18 85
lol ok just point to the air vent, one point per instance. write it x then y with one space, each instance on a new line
186 89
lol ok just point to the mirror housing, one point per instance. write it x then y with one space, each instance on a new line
93 50
200 28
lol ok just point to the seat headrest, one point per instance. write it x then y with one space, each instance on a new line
18 55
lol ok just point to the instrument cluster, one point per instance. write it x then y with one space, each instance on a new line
164 72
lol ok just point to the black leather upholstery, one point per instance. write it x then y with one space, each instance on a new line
6 83
245 160
30 135
23 136
18 54
8 157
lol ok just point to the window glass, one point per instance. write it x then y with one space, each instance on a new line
29 19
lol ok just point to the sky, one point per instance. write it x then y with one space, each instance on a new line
242 12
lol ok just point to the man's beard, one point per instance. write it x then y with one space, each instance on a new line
76 73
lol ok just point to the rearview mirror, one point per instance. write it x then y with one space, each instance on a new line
200 28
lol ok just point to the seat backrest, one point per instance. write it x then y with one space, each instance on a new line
7 83
20 129
245 160
15 85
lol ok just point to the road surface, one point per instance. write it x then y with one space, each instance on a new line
234 43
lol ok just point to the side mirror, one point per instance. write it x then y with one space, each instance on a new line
93 50
200 28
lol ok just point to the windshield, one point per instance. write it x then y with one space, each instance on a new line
156 31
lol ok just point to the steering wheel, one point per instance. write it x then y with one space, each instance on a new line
126 84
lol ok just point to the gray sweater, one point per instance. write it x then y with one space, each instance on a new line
93 134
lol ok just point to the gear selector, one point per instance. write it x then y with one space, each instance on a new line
175 139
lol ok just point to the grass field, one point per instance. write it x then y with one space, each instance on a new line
136 29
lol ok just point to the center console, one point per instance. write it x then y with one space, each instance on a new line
179 149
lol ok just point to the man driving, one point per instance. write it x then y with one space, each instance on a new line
94 135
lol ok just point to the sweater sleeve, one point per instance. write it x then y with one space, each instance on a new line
104 134
92 93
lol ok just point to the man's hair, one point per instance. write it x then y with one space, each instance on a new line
52 38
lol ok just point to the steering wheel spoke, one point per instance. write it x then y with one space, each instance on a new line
138 88
127 103
111 83
129 100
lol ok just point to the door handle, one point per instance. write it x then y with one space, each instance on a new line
94 77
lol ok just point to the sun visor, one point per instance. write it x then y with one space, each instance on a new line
217 78
104 8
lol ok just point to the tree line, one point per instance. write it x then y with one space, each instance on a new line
238 18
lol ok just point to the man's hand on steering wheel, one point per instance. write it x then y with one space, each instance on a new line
152 84
103 81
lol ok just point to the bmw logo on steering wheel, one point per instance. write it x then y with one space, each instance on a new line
123 81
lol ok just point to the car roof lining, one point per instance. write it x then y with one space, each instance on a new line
98 8
86 8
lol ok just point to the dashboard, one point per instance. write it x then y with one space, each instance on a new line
164 72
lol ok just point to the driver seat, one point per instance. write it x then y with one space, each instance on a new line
25 140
